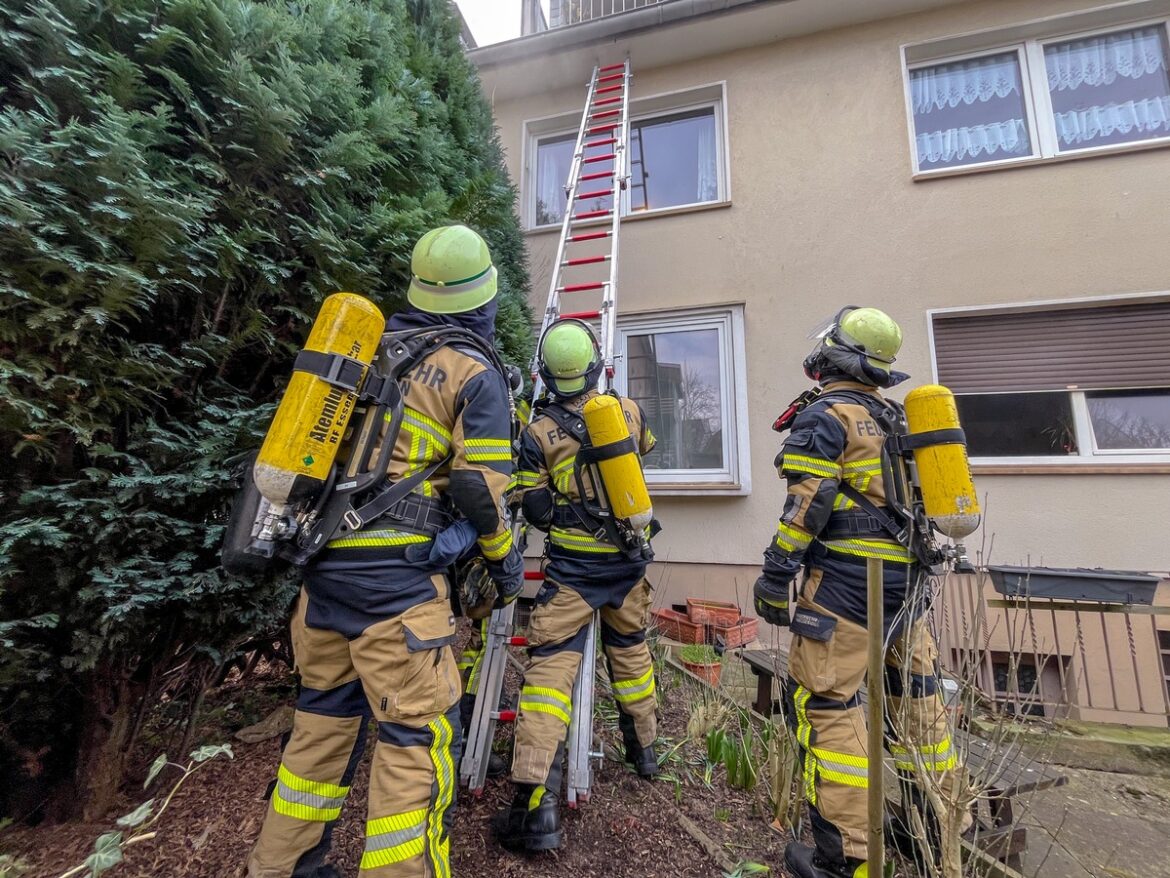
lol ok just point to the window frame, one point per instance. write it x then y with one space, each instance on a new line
728 320
1037 98
711 95
1088 455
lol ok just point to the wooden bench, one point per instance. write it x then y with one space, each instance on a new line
1003 770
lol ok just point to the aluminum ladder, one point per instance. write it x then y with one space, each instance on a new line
601 162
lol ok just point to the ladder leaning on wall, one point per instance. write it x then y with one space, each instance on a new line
599 171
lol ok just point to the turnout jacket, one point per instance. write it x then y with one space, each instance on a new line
837 440
547 487
456 412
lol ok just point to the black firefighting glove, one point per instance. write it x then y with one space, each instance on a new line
508 575
772 601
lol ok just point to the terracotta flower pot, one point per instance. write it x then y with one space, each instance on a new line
708 671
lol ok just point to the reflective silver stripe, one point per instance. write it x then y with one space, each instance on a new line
296 797
393 839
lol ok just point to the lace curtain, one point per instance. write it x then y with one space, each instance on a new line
1100 60
707 188
552 170
959 145
948 85
1150 117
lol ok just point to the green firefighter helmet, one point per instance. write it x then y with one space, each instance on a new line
451 271
570 358
861 343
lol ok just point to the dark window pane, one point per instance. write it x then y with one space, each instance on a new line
1130 419
676 378
1017 424
673 161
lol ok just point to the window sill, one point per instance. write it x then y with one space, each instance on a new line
1119 149
635 217
1068 469
697 489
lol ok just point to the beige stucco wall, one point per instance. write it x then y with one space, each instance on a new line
824 213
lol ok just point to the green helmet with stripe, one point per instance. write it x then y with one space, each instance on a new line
570 358
451 271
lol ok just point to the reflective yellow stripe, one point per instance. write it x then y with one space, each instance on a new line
438 842
871 465
847 769
394 839
887 551
526 478
418 419
842 778
541 707
364 539
537 795
485 450
803 737
309 800
487 456
817 466
627 691
941 757
544 699
578 542
495 548
791 538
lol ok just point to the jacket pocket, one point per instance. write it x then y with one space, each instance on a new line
430 678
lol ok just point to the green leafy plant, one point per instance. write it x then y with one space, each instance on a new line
699 654
135 827
744 868
183 182
12 867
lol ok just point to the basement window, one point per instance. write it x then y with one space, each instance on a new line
677 158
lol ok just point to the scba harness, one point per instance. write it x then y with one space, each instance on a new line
594 516
357 491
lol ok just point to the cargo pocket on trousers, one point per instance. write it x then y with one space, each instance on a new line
430 679
811 662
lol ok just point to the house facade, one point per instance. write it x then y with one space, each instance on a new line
992 173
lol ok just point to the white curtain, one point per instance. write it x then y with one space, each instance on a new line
948 85
1150 116
551 175
707 188
1100 60
958 144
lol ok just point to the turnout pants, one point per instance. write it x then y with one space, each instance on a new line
556 643
827 666
402 672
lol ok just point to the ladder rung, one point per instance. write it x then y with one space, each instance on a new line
591 214
589 236
582 315
597 175
601 129
605 114
585 260
612 67
608 157
605 141
610 78
596 193
533 574
504 716
581 288
606 102
608 88
517 641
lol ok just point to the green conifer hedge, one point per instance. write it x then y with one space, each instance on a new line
181 183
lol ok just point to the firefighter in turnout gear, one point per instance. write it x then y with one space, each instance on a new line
373 625
585 571
835 517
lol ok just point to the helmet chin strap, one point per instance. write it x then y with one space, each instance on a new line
828 361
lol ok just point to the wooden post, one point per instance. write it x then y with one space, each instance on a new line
875 678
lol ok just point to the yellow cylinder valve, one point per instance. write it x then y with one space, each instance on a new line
948 492
621 474
306 432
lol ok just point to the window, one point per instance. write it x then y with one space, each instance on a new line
687 372
676 157
1041 99
1068 384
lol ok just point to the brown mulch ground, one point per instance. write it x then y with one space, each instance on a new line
629 829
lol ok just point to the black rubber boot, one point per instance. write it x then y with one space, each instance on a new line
533 821
643 759
328 871
804 861
497 765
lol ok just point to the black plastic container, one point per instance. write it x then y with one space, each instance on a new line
1077 583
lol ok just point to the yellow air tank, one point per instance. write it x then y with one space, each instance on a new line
625 486
300 447
943 471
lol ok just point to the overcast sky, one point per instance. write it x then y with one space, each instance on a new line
491 21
